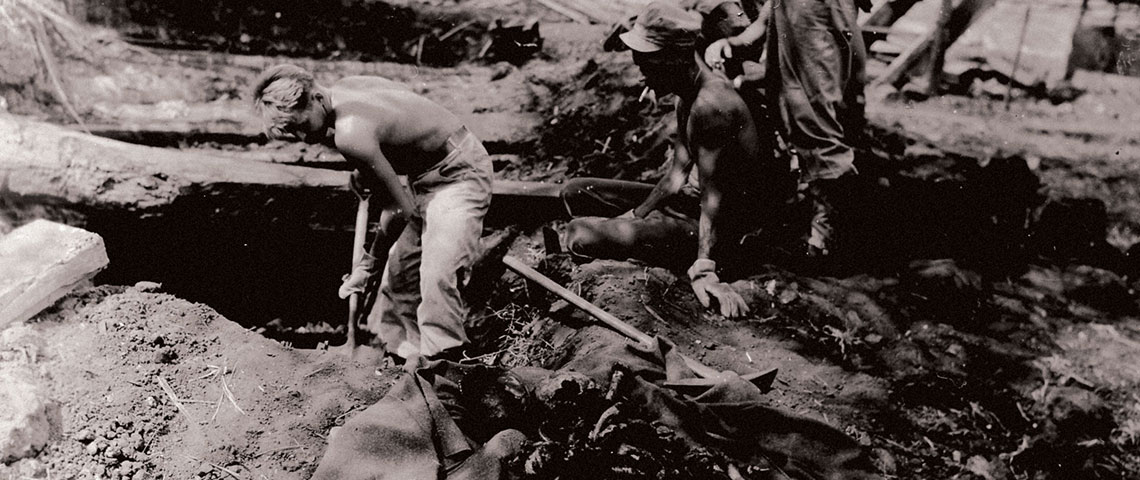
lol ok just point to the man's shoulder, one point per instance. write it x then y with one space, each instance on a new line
355 130
717 109
369 83
717 99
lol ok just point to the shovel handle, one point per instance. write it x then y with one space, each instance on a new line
360 232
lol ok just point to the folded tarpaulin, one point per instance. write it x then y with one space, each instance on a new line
414 431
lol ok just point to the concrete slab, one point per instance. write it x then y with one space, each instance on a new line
41 262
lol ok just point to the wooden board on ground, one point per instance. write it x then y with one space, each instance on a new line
40 263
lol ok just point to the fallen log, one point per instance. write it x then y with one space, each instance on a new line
39 160
41 262
232 123
50 164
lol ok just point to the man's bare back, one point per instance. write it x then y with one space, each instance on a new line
411 130
431 222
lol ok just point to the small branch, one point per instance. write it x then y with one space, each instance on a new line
39 36
215 466
568 13
455 30
218 407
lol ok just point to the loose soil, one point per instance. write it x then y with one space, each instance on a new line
237 402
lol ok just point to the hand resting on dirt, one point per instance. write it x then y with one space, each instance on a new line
707 286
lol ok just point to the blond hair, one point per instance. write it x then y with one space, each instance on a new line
280 92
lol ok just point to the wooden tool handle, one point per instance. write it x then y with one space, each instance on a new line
359 235
602 315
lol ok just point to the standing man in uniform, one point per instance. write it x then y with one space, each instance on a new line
815 77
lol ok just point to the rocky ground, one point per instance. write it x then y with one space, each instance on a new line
987 359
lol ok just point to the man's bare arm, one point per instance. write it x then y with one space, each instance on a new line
721 49
671 183
703 279
756 30
391 226
707 159
365 148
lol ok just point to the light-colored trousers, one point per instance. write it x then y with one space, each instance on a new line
419 310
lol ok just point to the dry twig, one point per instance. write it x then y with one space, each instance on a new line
230 395
174 398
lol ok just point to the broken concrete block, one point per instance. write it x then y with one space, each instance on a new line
41 262
29 420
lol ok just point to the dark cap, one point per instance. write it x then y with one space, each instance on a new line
663 25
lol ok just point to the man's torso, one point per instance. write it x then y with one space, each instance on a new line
411 130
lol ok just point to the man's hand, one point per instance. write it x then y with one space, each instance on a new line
356 281
717 52
357 184
706 285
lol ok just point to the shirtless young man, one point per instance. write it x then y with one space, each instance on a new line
716 133
385 131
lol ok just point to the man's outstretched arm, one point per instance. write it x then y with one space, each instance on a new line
721 49
702 274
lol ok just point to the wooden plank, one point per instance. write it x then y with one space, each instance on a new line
527 189
40 263
565 11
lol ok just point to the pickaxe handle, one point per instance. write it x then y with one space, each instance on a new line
762 379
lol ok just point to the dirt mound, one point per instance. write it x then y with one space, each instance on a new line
156 387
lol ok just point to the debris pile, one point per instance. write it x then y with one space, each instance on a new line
586 433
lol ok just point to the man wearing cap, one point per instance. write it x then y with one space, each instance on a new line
716 133
816 63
